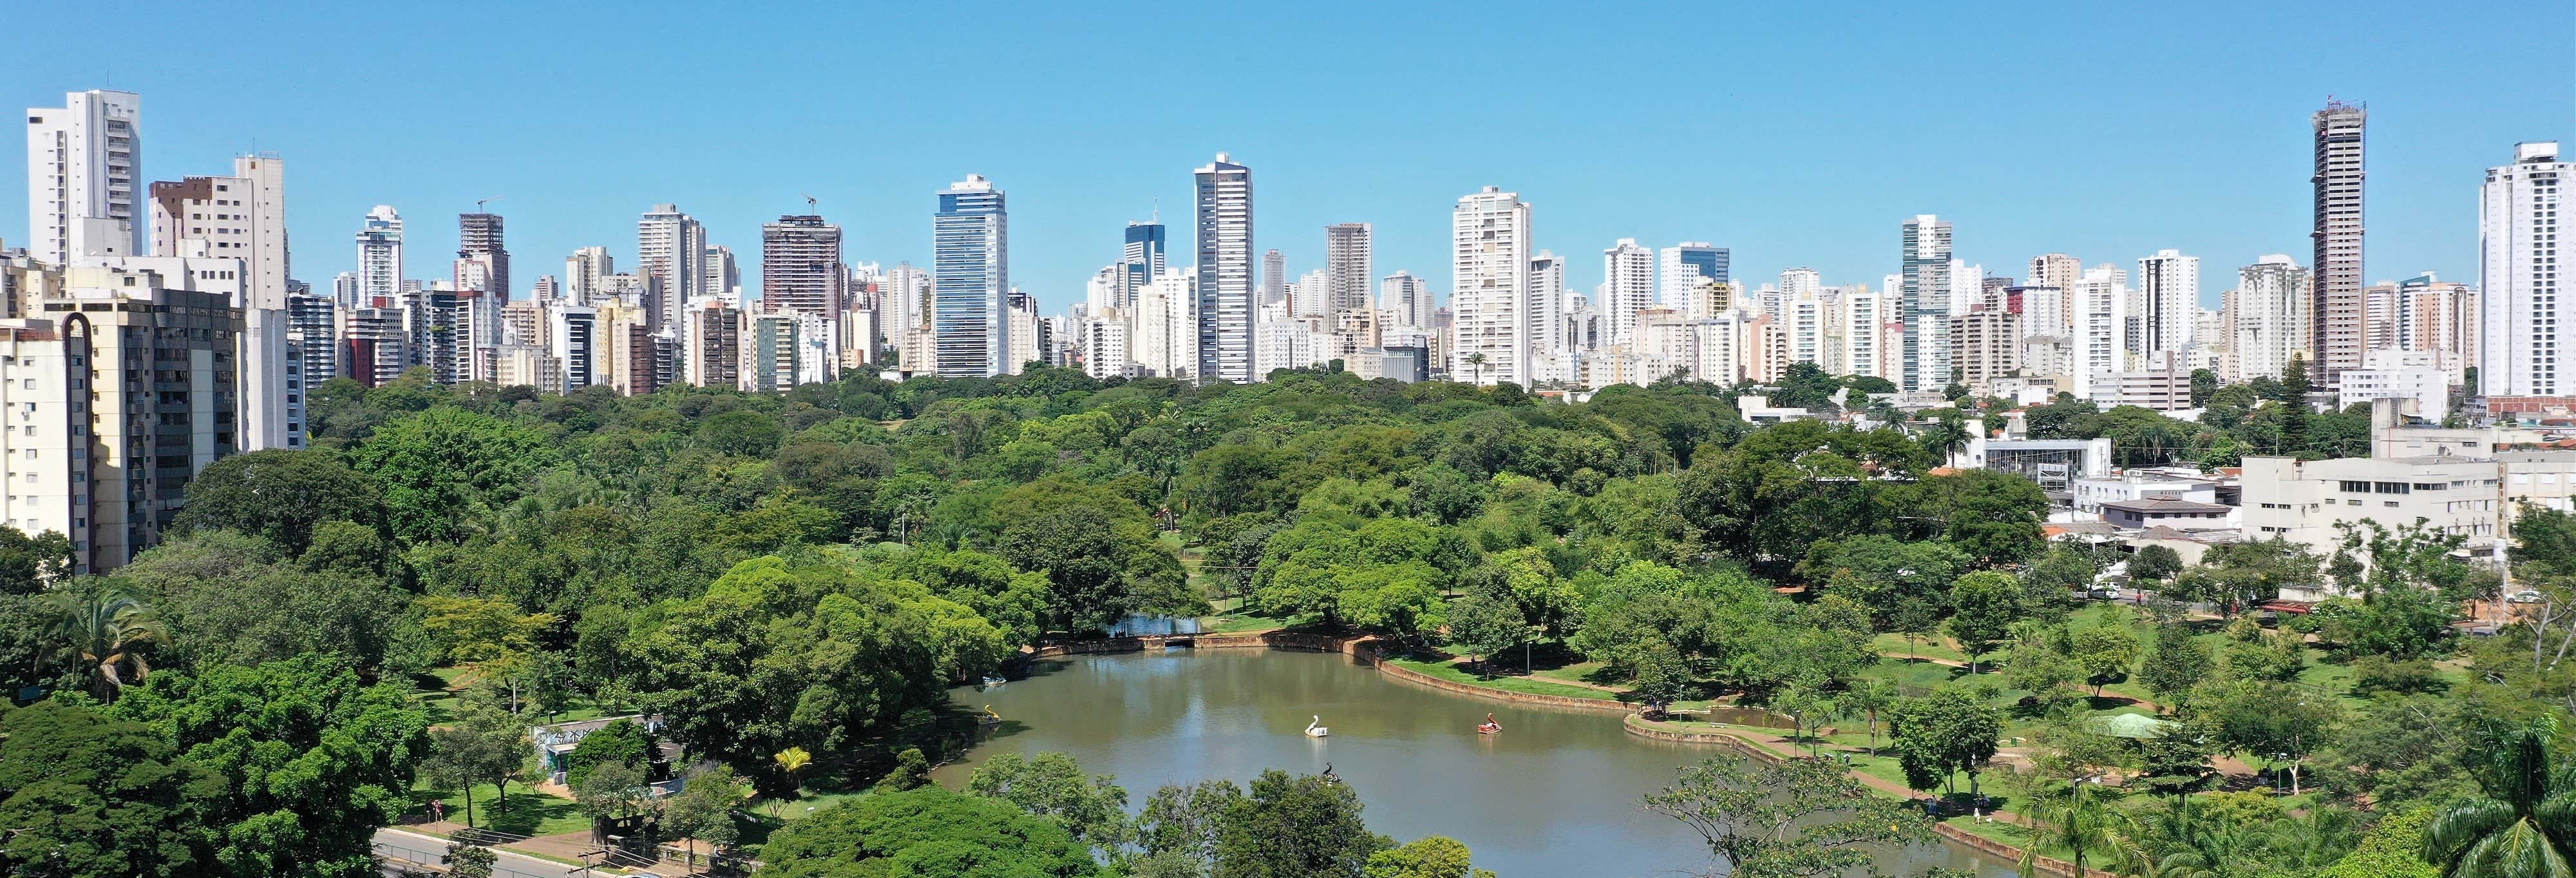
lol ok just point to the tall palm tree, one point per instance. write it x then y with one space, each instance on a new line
2074 819
1476 362
2525 825
105 632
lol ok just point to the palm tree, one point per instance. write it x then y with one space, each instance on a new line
1476 362
2525 825
105 632
791 760
2073 819
1945 436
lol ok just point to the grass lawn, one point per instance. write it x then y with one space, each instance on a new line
1933 645
527 812
1450 670
1596 673
1236 624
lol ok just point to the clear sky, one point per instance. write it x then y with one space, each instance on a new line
1796 134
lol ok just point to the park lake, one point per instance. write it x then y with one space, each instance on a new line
1556 793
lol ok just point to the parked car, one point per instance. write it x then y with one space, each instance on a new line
2525 596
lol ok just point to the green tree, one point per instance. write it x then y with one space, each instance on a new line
2154 564
1984 605
104 634
438 467
2204 385
703 809
2525 824
484 744
279 495
621 740
1433 856
1294 827
612 792
926 831
90 796
470 861
1485 626
29 564
1663 676
307 760
1791 817
2073 818
2392 849
1942 734
1052 785
1184 823
2175 665
2277 721
2104 653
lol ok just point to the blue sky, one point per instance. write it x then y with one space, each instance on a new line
1797 134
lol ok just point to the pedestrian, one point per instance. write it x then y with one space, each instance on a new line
438 810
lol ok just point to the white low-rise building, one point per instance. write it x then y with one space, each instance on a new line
2091 492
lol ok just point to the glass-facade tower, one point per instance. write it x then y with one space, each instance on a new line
970 241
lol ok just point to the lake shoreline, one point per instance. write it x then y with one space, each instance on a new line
1362 649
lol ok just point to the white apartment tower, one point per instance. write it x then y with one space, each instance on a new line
2101 302
1407 297
2267 318
670 246
1861 321
85 162
380 259
1348 266
1490 237
2168 299
1628 286
1546 304
1925 298
1226 308
2518 275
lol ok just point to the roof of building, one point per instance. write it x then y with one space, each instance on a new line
2078 527
2163 505
2161 532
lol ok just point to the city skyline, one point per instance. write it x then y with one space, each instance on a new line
2228 186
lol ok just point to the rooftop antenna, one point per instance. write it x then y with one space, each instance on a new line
479 202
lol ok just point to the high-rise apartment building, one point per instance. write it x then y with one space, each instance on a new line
1925 297
1986 345
719 274
1628 286
2518 234
2338 330
1348 266
2440 316
1407 297
1226 307
380 259
1490 243
2101 330
670 247
1162 334
482 257
1274 277
1688 265
800 267
2167 301
1861 320
971 271
2267 318
1546 316
85 163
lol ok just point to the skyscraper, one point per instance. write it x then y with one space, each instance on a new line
1226 306
2267 318
85 162
1686 266
1925 300
380 259
482 257
1348 266
1142 256
1408 297
1546 315
1274 277
669 247
2338 319
718 272
971 277
2518 227
1628 286
800 267
1490 233
2168 300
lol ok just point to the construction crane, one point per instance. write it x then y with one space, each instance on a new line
809 203
479 202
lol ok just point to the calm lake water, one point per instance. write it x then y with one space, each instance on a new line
1555 794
